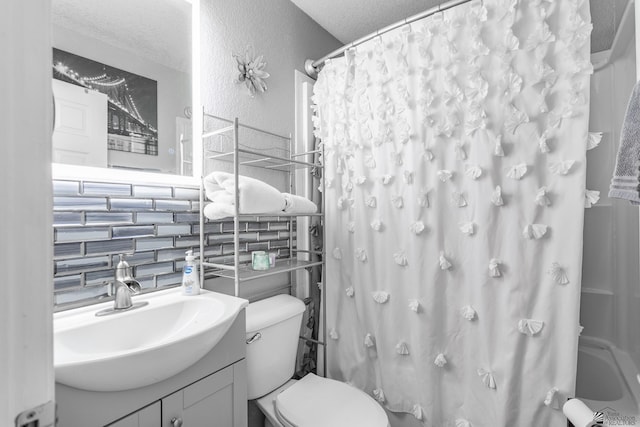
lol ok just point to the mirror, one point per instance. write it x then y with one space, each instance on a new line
122 84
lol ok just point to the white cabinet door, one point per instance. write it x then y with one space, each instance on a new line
80 129
219 400
145 417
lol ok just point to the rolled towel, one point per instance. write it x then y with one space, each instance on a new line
221 196
211 186
298 204
216 211
254 196
624 184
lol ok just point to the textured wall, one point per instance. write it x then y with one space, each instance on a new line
278 30
606 16
610 283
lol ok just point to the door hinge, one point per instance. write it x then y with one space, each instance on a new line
40 416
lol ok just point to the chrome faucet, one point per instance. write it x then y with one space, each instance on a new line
123 286
123 292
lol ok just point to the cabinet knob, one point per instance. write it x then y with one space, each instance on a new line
176 422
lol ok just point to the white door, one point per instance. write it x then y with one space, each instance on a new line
26 247
80 136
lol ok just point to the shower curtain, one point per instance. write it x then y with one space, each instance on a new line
454 154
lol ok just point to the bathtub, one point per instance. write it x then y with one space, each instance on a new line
608 381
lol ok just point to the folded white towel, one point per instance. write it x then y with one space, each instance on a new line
298 204
255 196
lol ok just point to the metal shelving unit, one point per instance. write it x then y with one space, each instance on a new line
246 273
229 150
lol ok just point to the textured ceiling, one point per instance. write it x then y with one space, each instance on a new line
158 30
348 20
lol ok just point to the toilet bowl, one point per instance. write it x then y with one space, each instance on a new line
273 328
316 401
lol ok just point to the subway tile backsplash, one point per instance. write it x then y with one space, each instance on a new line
79 203
106 188
153 225
156 217
108 218
109 247
131 204
156 192
80 234
67 218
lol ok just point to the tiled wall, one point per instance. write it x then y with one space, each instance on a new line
155 224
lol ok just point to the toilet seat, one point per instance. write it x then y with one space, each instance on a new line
320 402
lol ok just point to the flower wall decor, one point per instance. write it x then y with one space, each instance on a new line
252 71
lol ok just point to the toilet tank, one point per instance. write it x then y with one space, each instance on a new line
271 358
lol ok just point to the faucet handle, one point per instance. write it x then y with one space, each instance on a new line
122 260
124 272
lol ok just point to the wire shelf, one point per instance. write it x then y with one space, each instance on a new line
245 273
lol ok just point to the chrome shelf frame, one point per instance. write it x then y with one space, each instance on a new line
245 273
289 163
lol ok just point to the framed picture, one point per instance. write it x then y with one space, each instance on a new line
132 122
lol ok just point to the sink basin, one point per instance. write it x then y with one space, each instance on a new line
139 347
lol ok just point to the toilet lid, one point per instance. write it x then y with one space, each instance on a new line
320 402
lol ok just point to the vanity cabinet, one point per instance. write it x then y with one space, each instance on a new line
210 393
147 417
217 400
209 402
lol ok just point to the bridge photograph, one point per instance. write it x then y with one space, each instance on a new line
132 100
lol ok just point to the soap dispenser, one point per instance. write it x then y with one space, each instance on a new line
190 277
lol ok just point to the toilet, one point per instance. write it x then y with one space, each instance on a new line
273 329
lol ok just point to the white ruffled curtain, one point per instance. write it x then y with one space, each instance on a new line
455 188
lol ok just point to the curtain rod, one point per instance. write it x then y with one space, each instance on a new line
313 67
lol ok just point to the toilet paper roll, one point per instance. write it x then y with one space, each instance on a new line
578 413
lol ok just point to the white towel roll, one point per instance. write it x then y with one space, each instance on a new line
298 204
578 413
215 211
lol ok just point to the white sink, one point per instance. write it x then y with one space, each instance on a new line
143 346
